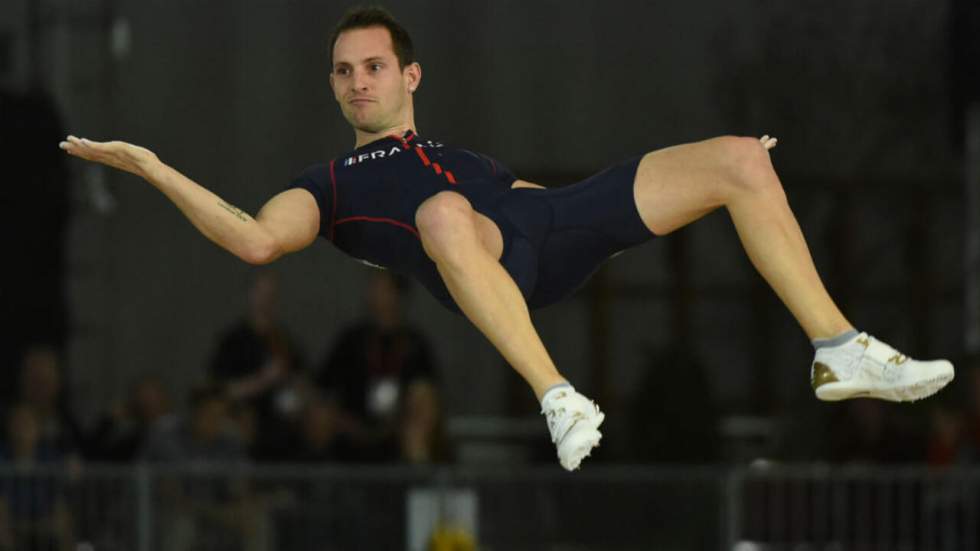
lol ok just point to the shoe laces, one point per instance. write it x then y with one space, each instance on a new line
890 358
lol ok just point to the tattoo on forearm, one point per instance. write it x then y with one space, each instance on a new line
237 212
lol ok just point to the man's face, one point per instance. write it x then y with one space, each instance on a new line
373 92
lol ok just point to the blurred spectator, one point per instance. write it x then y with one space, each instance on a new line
381 374
121 434
209 505
319 439
207 435
41 388
257 363
33 511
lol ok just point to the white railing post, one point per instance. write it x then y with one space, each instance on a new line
731 504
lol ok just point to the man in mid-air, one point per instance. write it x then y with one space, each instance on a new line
490 245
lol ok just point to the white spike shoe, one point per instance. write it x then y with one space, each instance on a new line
865 367
573 421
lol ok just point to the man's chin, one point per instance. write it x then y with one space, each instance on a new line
369 129
368 126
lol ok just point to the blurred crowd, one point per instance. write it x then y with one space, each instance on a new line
372 398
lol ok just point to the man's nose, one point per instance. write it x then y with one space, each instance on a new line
359 81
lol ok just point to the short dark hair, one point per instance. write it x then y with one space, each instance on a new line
360 17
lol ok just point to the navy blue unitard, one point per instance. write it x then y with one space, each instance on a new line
554 239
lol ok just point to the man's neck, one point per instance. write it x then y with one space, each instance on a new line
363 138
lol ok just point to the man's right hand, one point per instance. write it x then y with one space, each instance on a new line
121 155
287 223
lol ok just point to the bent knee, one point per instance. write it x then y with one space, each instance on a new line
442 212
444 209
747 164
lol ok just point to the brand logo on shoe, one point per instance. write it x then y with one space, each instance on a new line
898 359
863 341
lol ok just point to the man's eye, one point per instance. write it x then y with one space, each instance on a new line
375 66
342 71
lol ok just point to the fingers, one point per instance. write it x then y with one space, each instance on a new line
76 146
768 142
116 154
89 150
66 144
83 142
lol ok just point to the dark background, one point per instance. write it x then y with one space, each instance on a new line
867 99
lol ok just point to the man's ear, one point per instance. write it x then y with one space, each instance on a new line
414 72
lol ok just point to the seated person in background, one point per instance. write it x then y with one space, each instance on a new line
318 437
381 374
257 364
33 511
122 432
206 435
40 387
208 507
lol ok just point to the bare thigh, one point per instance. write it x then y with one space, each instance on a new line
678 185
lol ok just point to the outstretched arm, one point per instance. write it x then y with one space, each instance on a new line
287 223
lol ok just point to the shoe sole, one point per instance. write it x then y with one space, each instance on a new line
833 392
579 444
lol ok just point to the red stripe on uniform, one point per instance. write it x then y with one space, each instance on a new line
437 168
391 221
450 177
400 139
422 155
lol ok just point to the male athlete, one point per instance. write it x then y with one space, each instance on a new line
490 245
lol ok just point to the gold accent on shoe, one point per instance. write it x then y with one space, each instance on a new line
863 341
822 374
898 359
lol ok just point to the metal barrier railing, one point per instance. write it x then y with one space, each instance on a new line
851 507
222 507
